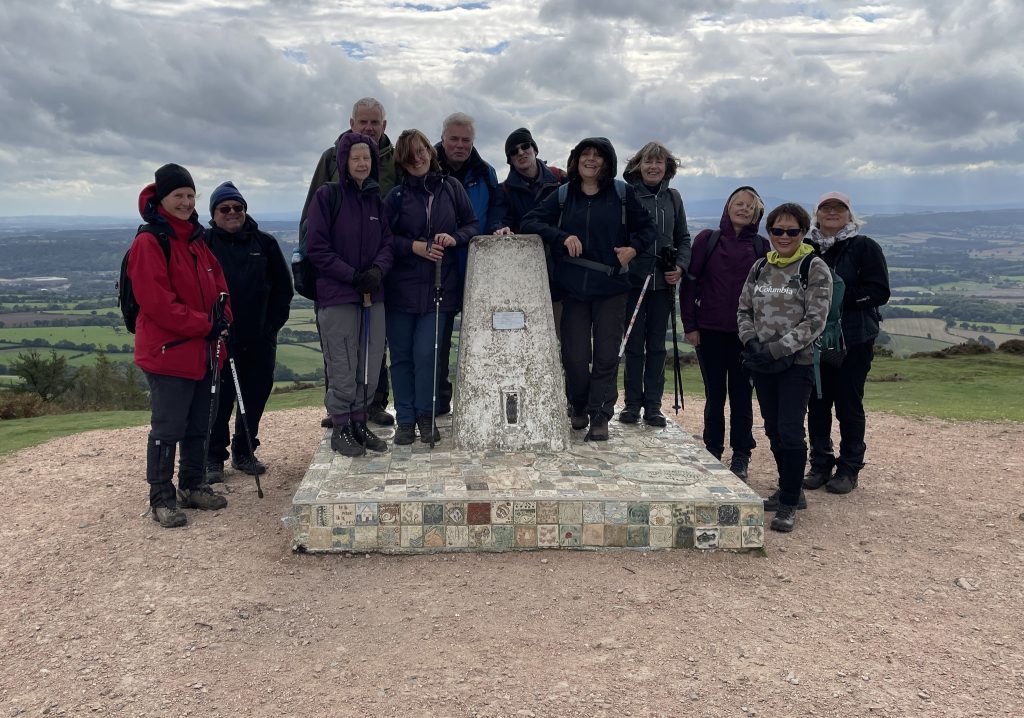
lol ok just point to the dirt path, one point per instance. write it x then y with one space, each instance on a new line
857 613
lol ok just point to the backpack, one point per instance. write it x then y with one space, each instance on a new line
304 274
712 242
830 346
563 194
126 301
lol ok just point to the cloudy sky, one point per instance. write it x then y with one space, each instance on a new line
898 102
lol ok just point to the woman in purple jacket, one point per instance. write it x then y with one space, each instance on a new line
428 213
349 243
709 297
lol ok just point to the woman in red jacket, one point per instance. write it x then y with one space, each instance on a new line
176 281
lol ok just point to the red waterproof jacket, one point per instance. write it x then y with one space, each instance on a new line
175 297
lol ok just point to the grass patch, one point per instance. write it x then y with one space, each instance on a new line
20 433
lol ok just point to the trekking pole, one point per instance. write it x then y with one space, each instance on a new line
636 310
216 314
677 374
245 423
366 348
437 332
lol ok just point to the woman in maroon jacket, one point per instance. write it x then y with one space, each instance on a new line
709 297
177 282
349 243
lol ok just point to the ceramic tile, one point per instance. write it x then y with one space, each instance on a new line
728 515
388 514
547 512
412 536
684 514
570 534
480 537
707 515
752 536
751 515
616 512
454 513
342 537
433 514
547 535
503 536
389 536
593 534
661 514
433 536
525 512
705 538
662 536
526 536
412 513
614 534
684 537
501 512
570 512
365 537
478 513
639 513
729 537
344 514
456 536
637 536
593 512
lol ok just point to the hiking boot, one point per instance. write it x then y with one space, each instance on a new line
739 465
214 472
249 464
785 519
654 417
405 434
343 441
202 497
842 483
376 413
170 517
598 429
326 422
367 438
423 423
816 478
628 416
772 504
579 420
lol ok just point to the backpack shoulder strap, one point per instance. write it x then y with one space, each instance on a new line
759 265
396 207
161 237
805 269
620 189
677 201
563 194
759 249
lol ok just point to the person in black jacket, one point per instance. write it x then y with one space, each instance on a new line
260 285
649 171
594 236
859 261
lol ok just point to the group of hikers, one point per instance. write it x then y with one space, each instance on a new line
383 246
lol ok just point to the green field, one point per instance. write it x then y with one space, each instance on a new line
100 336
967 388
903 346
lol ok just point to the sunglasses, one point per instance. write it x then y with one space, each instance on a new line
525 147
229 208
779 231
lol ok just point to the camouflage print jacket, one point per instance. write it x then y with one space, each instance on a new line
782 314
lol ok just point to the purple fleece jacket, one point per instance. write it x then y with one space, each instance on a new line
710 301
353 241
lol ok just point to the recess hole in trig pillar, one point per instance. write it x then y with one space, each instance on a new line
511 402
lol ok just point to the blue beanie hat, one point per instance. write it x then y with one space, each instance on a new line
226 191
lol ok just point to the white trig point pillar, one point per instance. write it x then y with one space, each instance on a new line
510 394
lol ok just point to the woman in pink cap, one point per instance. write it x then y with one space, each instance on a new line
858 259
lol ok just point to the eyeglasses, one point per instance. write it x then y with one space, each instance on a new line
229 208
525 147
833 208
779 231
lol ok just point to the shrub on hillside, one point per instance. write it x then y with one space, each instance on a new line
20 405
968 348
105 386
1014 346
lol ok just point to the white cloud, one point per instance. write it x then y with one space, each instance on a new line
97 93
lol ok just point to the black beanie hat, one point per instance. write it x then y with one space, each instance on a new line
224 192
171 177
518 137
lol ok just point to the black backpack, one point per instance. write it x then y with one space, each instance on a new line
304 274
126 301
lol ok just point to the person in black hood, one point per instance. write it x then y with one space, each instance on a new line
596 233
260 285
649 171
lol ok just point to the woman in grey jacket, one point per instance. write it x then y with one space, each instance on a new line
782 310
649 171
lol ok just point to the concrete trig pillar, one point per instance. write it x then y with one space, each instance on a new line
510 393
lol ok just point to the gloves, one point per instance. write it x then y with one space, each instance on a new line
217 329
368 281
756 357
754 346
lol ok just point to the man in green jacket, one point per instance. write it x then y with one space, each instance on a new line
368 118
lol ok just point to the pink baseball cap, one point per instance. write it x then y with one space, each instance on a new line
838 196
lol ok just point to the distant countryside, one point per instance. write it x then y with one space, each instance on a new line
957 277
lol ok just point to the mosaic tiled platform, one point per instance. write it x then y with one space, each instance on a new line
644 489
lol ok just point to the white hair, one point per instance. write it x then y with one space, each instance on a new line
370 103
459 118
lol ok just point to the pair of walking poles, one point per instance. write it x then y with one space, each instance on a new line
216 315
666 261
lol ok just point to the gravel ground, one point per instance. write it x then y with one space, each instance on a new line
902 599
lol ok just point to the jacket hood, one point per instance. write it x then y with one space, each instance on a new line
474 159
344 146
604 147
725 225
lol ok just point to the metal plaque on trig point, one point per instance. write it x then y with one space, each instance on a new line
508 320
